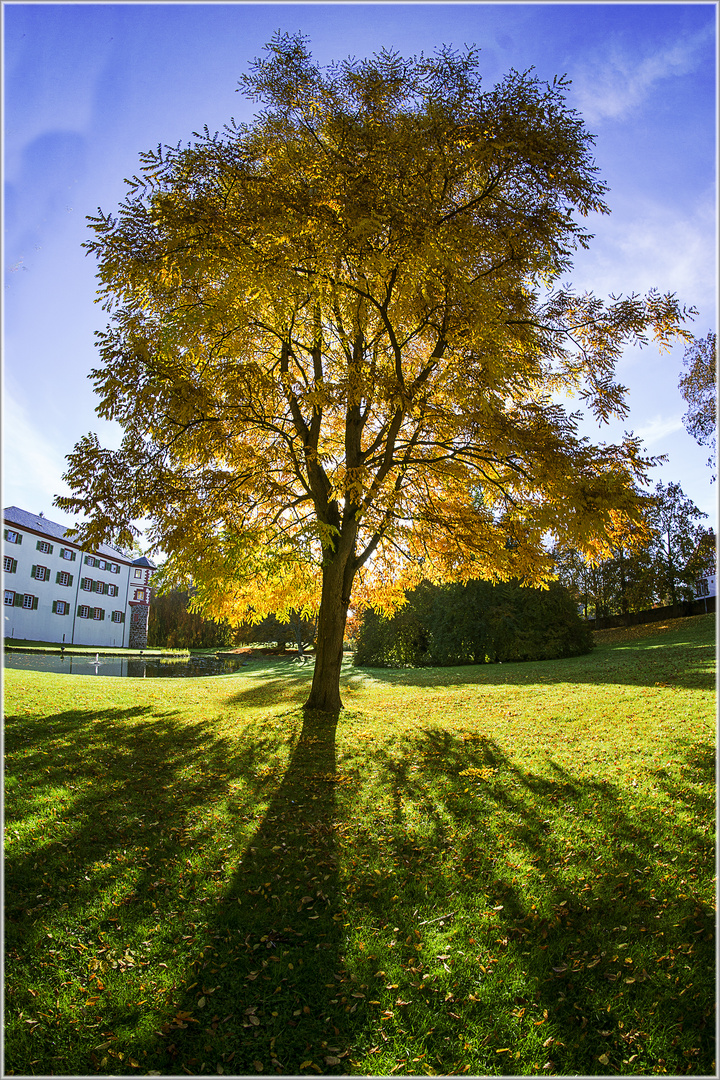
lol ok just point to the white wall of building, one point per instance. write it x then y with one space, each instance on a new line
98 583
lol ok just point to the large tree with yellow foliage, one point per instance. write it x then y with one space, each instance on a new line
338 344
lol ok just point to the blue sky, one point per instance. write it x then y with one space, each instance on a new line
87 87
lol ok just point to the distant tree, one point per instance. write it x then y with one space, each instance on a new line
704 559
698 385
295 627
662 566
674 521
621 583
172 625
473 623
338 336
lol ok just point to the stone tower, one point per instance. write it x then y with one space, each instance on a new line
139 601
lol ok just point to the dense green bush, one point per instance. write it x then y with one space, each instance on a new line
474 623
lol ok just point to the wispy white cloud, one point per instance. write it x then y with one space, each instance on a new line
659 428
612 85
647 245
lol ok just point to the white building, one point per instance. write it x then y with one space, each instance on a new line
706 584
706 587
55 591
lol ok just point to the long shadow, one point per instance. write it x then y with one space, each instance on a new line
267 980
621 927
278 927
476 847
97 847
682 665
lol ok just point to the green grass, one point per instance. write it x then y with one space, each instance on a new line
505 869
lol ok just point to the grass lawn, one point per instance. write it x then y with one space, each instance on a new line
504 869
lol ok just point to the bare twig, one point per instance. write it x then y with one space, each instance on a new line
426 921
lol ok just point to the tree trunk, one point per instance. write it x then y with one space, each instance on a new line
336 586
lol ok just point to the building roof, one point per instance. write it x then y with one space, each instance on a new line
144 561
13 515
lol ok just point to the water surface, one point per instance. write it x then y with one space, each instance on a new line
133 667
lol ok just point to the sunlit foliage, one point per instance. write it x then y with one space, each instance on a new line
338 336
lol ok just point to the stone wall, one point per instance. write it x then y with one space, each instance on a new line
139 614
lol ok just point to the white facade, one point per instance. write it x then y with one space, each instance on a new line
706 586
55 591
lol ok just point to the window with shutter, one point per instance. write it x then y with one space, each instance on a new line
9 564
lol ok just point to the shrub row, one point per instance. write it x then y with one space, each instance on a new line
473 623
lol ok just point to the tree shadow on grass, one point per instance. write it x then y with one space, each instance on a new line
545 910
499 899
135 866
277 956
101 811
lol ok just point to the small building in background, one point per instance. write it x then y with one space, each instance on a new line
706 555
706 586
54 590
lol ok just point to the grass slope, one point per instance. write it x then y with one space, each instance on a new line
484 870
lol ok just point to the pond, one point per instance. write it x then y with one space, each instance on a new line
133 667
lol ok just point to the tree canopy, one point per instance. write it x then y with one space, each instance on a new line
338 340
698 385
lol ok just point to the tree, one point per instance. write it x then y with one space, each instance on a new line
662 565
677 540
295 627
698 385
337 340
171 625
